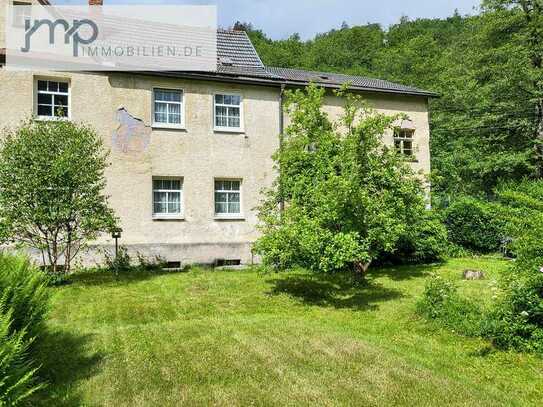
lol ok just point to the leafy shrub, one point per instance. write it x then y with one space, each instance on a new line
425 241
153 264
118 263
441 302
475 224
23 289
17 374
517 319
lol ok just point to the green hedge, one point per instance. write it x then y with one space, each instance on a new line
476 225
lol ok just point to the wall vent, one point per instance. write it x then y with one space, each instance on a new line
227 262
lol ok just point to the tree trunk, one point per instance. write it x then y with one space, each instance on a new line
360 269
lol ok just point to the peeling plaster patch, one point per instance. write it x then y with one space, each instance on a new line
131 135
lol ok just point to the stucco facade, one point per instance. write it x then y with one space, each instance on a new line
196 154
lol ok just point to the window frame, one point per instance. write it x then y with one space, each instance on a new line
398 137
37 92
159 125
226 216
223 129
170 216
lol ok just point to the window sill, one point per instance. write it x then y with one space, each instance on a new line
160 126
52 119
168 218
228 130
229 217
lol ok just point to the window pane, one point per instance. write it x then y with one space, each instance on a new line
233 122
174 119
218 185
52 86
45 99
219 99
221 197
159 207
174 108
233 197
236 185
221 207
63 87
236 100
45 110
61 100
227 99
233 111
174 207
42 85
176 184
234 207
61 111
157 184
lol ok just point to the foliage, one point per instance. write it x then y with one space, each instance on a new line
425 241
347 197
122 262
23 305
475 224
52 182
441 302
23 289
17 375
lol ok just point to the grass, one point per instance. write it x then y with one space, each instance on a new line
252 338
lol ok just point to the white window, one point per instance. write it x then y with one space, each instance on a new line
227 198
167 197
53 99
21 12
228 113
403 141
168 108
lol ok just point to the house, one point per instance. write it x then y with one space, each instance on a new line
191 151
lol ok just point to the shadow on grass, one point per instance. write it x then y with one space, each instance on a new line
403 272
338 291
108 278
64 361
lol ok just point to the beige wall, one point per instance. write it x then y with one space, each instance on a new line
197 154
3 12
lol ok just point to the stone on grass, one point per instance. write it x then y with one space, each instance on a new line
473 275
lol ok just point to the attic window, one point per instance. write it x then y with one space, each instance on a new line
226 61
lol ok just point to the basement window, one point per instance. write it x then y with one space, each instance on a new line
227 262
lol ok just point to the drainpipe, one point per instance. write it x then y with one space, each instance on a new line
281 135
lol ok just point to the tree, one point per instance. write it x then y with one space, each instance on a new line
531 34
52 182
348 197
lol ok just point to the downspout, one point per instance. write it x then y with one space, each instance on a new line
281 136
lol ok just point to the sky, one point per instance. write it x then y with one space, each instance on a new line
281 18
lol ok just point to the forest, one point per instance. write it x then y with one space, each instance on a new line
486 127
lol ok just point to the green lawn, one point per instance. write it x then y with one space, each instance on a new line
251 338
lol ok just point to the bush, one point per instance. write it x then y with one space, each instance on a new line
424 242
17 375
517 319
475 225
441 302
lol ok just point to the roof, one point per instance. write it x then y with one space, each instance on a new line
337 80
237 56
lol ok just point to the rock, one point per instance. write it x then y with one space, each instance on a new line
473 275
